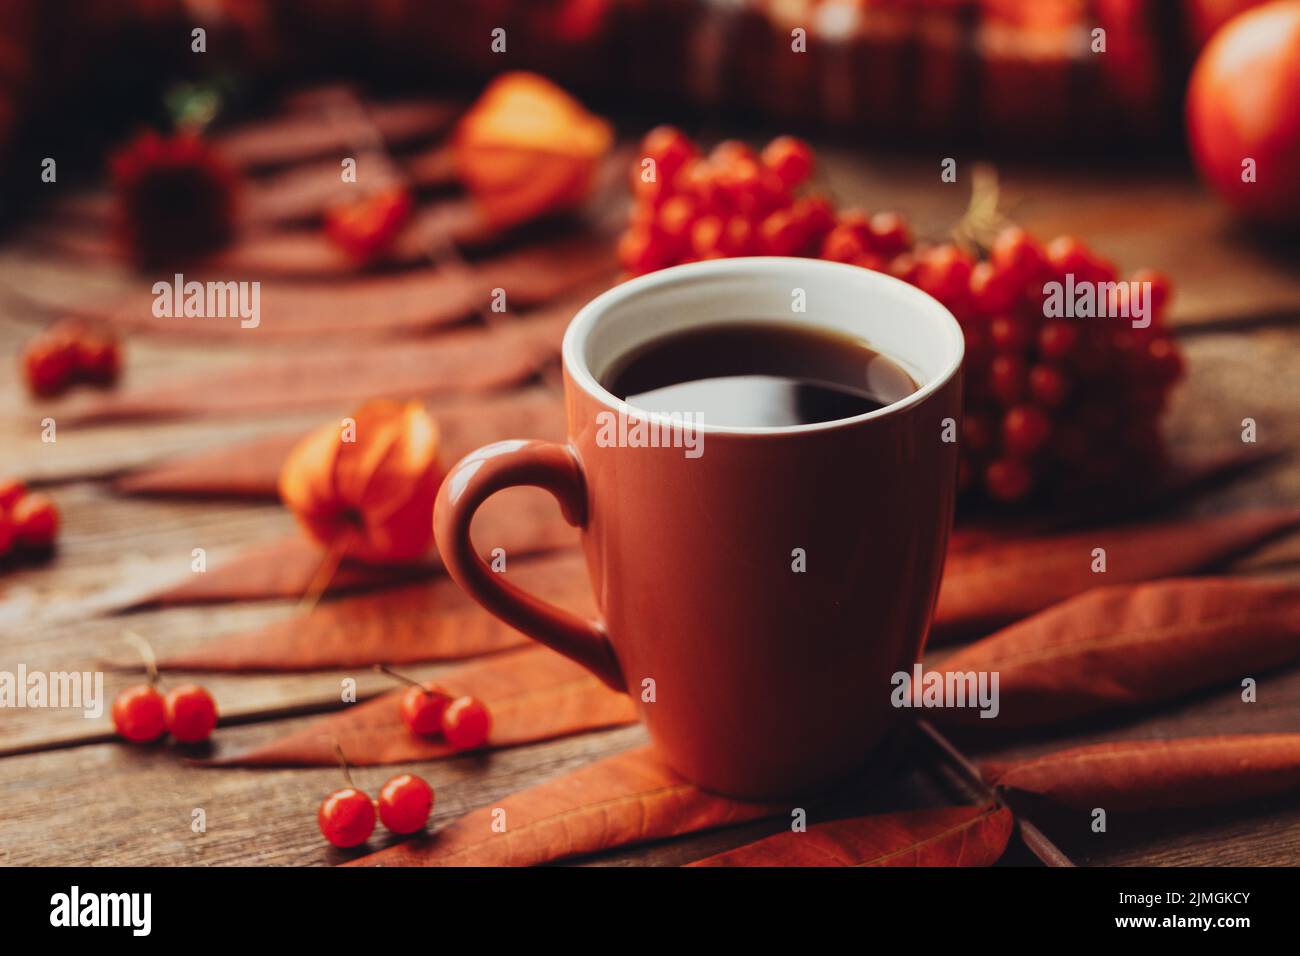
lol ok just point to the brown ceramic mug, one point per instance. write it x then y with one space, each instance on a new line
767 680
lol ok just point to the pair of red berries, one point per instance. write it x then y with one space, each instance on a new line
464 721
428 710
142 714
347 817
29 521
67 354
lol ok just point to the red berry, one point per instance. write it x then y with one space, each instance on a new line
670 149
364 229
1007 479
1025 429
816 216
97 359
991 291
849 240
404 803
640 251
1057 339
889 234
1009 333
423 709
1068 254
945 273
731 151
346 817
706 236
904 267
869 260
1047 385
1016 253
747 188
675 217
11 489
1160 288
466 723
36 521
781 234
1007 378
139 714
191 713
790 158
48 366
737 237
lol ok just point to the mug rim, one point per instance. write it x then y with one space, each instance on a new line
573 348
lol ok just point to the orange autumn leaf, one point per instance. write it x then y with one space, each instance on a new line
365 487
989 586
951 836
532 694
619 801
1127 645
1143 775
427 621
527 149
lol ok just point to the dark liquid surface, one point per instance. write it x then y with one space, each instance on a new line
744 374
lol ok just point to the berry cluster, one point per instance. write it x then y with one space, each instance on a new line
733 202
28 521
1053 406
67 354
428 710
347 817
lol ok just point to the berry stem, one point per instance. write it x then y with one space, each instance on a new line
146 652
385 669
343 762
324 574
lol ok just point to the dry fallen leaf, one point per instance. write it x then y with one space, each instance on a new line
951 836
251 469
619 801
1126 645
427 621
989 586
533 694
1142 775
520 521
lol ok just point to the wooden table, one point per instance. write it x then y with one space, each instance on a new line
74 796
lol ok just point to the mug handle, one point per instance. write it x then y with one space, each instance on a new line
473 480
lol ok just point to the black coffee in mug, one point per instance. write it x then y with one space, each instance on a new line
744 374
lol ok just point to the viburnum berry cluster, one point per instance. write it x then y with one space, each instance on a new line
1053 406
67 354
346 817
29 521
428 710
